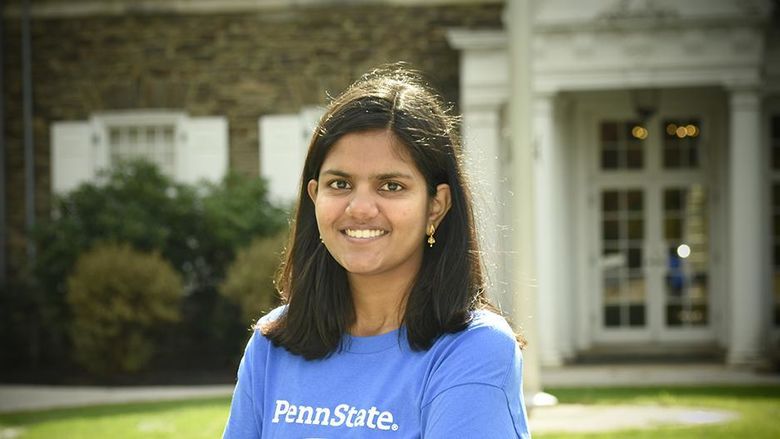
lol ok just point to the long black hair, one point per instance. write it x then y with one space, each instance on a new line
450 283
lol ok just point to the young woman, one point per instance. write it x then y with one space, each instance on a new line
386 330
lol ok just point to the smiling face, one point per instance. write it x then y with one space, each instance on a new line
373 207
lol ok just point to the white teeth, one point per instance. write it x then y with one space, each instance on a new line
364 234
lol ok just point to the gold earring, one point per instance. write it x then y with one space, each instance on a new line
431 239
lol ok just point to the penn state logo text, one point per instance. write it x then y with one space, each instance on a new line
341 415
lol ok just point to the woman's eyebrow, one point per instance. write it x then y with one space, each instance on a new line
383 176
335 172
392 175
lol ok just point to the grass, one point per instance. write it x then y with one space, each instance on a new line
191 419
758 407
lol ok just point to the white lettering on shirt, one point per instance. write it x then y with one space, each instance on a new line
281 408
342 414
339 412
385 421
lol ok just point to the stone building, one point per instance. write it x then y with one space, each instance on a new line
194 78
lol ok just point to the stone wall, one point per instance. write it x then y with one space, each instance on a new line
240 65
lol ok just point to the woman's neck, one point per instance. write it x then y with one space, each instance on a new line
379 303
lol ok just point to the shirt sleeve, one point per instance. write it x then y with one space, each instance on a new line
245 418
474 387
471 411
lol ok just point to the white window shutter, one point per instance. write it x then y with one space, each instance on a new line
282 153
72 155
203 149
310 117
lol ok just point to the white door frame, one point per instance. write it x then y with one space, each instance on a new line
592 107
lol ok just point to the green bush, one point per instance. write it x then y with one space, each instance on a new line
250 279
118 297
133 203
197 228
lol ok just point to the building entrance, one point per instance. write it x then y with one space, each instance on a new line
651 206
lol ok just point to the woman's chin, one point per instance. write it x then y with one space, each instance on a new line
361 270
361 266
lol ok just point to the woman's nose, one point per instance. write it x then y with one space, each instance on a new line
362 206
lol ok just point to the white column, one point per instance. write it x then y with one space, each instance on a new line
518 20
746 240
484 155
567 312
484 77
548 229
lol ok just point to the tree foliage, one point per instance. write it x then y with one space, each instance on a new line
119 298
197 228
250 278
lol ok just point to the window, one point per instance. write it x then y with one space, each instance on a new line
681 143
685 235
621 145
155 142
152 135
622 237
186 148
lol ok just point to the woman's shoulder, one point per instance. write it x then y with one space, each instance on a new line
488 330
258 340
271 316
487 340
486 352
490 320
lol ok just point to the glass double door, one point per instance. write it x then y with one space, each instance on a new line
652 208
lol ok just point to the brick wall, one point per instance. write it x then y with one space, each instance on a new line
240 65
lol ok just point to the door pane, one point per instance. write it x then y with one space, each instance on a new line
610 159
611 229
686 279
609 201
636 229
621 145
635 258
634 201
622 239
681 146
636 315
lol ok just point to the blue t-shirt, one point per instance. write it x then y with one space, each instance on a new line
467 385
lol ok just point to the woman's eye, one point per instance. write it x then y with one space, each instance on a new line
339 184
391 187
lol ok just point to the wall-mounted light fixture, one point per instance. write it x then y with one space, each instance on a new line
646 102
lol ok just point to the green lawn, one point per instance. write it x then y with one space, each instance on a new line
759 409
192 419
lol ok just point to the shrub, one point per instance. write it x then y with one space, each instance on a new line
250 279
197 228
118 296
133 203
